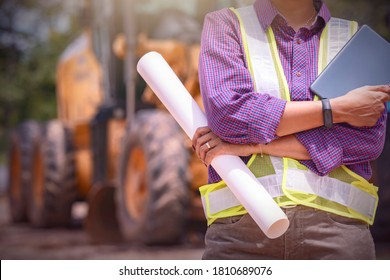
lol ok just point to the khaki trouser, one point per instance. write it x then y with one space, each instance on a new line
313 234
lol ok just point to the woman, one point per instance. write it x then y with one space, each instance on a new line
246 116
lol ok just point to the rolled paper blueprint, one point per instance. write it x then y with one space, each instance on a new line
240 180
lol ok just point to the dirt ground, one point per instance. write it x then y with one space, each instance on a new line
23 242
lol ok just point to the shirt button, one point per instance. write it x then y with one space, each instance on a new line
298 74
299 41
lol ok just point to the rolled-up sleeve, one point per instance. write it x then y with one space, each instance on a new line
235 112
343 145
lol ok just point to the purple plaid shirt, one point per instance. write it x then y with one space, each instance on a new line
238 114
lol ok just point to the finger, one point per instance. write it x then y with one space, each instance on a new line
200 145
208 148
385 88
217 147
209 157
387 97
383 95
198 133
214 141
203 151
211 154
387 91
382 88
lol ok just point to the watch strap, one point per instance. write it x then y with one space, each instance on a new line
327 113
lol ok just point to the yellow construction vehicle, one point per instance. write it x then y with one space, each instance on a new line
113 144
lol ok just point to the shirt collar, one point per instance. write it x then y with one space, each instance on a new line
266 12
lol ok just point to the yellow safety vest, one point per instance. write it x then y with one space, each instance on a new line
290 183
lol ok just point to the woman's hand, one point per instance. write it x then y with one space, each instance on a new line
207 146
362 106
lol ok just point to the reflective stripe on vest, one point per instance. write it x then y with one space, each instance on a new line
290 183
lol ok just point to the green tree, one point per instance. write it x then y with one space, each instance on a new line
28 61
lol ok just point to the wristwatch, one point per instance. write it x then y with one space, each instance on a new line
327 113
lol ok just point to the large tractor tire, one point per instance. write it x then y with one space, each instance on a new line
21 146
53 186
153 191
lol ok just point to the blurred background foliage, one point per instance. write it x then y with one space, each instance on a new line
33 33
